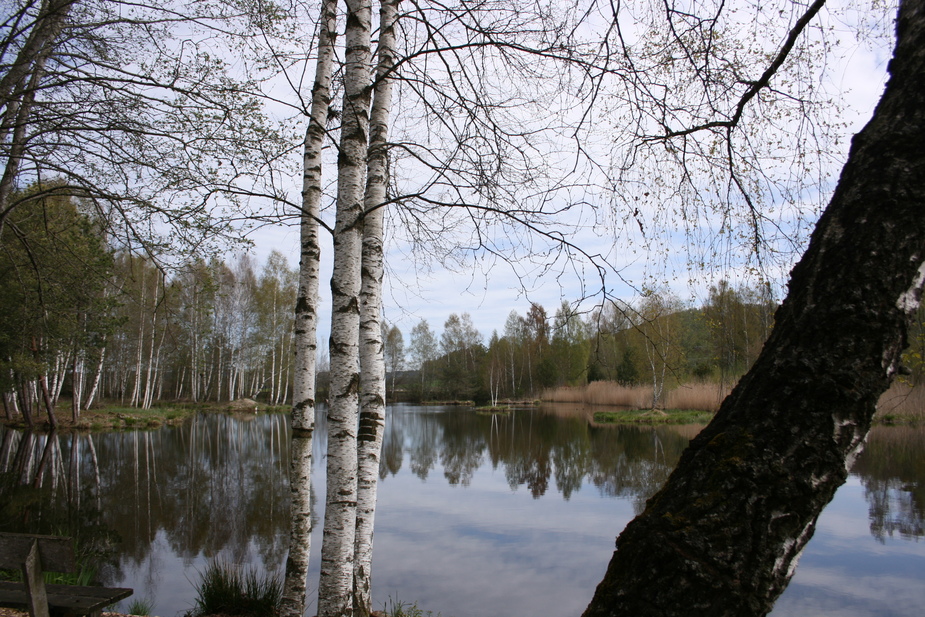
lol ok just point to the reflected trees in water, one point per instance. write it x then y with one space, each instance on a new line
217 487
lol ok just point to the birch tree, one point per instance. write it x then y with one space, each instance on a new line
335 586
423 351
724 534
53 269
306 323
372 356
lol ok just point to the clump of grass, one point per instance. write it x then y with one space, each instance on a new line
140 606
395 608
173 414
226 589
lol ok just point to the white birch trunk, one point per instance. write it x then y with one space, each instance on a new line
76 384
335 587
57 377
96 380
148 395
135 401
306 325
272 398
372 361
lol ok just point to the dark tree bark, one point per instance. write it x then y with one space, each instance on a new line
724 534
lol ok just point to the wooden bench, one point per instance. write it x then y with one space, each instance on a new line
35 554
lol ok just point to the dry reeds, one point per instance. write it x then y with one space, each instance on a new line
902 401
565 394
612 393
701 396
693 396
607 393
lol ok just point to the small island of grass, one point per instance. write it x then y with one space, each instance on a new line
653 416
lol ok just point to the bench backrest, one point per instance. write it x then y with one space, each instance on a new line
56 553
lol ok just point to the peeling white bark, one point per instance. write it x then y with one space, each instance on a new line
306 326
335 586
910 299
372 361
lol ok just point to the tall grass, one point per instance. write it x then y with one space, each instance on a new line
602 393
699 396
902 402
225 589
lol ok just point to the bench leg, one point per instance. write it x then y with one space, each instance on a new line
35 583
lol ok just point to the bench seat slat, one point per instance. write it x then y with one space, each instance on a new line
66 598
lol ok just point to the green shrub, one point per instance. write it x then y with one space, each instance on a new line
225 589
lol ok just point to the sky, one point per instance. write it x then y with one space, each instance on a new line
489 291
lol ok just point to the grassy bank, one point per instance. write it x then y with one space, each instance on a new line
116 417
639 416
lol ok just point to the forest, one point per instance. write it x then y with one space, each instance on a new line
116 329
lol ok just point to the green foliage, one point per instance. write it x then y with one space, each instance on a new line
54 268
225 589
739 320
914 356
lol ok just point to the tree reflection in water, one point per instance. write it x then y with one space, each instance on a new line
535 446
892 471
218 487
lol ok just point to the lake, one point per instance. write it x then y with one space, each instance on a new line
479 515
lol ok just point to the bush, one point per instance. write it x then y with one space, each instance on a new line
225 589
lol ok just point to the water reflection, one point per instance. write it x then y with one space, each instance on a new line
522 506
534 448
892 471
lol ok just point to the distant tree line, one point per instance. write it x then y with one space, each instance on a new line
656 341
89 323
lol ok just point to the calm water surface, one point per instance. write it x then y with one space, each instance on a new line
479 515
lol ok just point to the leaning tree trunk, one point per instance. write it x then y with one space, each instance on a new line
306 326
372 360
724 534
